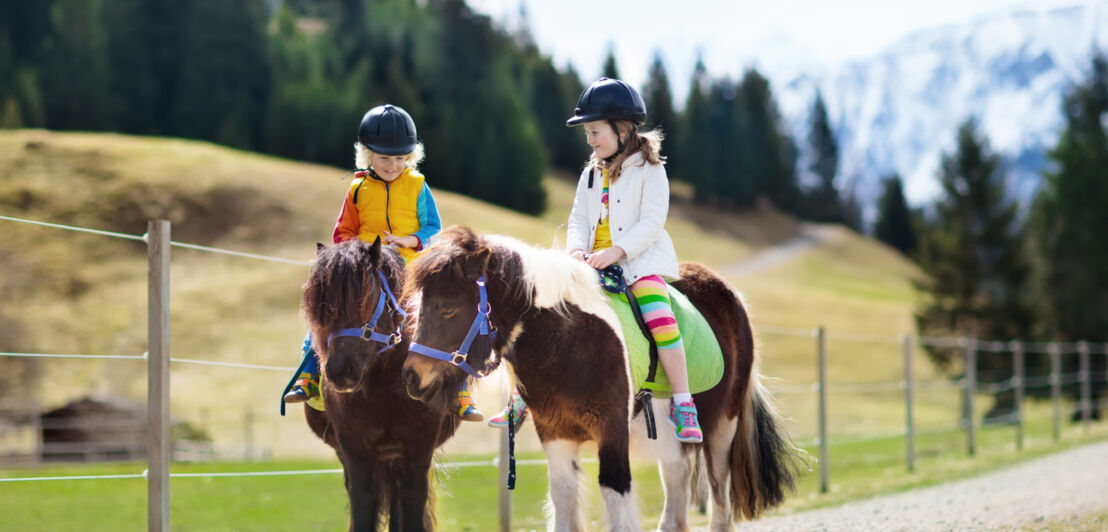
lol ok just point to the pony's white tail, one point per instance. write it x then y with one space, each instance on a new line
763 460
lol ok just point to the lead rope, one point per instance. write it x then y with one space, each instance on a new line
511 448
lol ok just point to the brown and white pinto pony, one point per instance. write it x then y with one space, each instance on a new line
385 439
565 349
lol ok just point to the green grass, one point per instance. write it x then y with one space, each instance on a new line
467 496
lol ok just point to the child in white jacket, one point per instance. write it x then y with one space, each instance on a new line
619 216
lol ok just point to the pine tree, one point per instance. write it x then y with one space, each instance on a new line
223 96
824 203
894 220
25 29
1071 218
610 69
659 107
768 151
659 98
481 134
974 255
692 148
727 174
75 73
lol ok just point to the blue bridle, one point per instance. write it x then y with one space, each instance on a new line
368 332
480 325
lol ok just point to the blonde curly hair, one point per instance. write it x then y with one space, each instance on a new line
362 156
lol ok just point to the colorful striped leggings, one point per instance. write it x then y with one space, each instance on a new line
653 296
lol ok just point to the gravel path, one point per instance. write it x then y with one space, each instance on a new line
810 237
1072 482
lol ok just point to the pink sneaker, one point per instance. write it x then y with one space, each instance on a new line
519 411
683 417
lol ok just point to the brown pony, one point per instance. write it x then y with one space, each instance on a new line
384 439
566 352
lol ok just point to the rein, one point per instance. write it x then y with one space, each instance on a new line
368 332
480 326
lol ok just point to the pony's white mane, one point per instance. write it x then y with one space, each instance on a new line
557 279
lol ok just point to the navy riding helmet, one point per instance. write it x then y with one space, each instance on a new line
608 99
388 130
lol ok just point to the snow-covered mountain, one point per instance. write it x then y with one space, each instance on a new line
898 111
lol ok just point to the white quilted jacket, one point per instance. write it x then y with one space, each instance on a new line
637 206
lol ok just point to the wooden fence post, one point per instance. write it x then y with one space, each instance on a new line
971 394
157 364
1056 387
1017 364
1086 402
910 429
824 466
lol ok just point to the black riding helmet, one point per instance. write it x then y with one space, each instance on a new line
608 99
388 130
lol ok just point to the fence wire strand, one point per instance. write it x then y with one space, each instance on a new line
142 238
52 355
231 364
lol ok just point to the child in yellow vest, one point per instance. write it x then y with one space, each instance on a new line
389 199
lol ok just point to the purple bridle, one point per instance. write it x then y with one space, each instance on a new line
368 332
481 325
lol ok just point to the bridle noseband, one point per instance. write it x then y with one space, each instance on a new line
368 332
481 325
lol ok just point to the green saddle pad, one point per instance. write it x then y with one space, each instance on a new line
702 353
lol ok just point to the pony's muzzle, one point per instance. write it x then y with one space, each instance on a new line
417 389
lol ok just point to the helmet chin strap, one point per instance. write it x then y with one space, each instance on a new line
619 143
619 138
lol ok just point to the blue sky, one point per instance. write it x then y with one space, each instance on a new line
731 35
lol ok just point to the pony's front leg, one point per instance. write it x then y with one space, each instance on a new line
413 513
363 487
564 512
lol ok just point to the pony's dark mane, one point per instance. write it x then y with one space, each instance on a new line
335 290
463 253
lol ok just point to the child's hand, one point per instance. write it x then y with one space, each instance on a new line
401 241
578 254
605 258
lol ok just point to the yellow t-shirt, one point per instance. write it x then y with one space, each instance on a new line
603 230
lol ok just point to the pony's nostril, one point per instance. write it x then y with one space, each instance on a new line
411 380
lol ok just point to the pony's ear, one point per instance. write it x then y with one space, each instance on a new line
319 247
477 263
375 251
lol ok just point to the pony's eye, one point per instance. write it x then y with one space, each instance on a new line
449 313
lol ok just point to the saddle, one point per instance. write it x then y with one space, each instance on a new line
703 356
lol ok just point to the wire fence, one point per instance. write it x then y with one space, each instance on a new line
968 386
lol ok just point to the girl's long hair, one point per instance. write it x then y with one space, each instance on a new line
647 142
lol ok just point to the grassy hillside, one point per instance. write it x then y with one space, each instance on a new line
68 292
